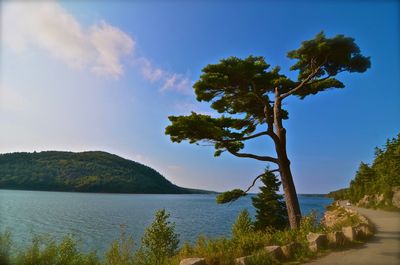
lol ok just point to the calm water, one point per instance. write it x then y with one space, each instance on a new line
96 218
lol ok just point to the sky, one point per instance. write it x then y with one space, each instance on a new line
105 75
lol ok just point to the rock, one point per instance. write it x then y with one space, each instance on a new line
396 197
336 239
274 251
289 249
363 231
241 260
193 261
349 233
316 241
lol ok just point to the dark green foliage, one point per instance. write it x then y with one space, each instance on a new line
335 55
230 196
270 208
159 241
246 86
379 178
243 225
86 172
341 194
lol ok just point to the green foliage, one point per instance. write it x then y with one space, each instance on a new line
86 171
159 241
5 248
341 194
378 178
270 207
230 196
45 251
245 86
243 225
261 258
335 55
121 252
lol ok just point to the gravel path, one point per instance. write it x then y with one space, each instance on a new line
382 249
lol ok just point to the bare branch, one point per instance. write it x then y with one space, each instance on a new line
257 178
261 158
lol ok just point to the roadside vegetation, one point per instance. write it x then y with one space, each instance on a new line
373 185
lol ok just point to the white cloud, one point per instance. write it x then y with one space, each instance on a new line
48 26
168 81
149 71
100 47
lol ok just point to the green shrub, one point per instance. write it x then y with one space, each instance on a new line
5 247
159 241
243 225
261 258
121 251
45 251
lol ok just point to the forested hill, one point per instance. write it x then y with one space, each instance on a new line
378 184
84 172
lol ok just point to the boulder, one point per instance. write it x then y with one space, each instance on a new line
289 249
336 239
193 261
396 197
274 251
316 241
363 231
241 260
349 233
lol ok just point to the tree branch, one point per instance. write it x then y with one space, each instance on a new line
248 137
308 78
257 178
261 158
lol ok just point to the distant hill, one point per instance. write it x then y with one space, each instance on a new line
82 172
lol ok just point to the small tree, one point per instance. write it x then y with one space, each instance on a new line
271 210
159 241
243 224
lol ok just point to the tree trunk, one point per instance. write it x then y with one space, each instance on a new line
292 202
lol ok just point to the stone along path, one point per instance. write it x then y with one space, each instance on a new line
382 249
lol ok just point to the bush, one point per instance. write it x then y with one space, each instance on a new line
5 247
243 224
45 251
121 251
159 241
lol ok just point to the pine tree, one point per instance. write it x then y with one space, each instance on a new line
159 241
271 209
243 224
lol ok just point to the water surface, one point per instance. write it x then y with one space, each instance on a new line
96 218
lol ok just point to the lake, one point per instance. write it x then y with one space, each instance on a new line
96 218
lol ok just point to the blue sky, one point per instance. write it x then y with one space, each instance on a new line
105 75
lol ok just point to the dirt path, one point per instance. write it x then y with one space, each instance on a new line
382 249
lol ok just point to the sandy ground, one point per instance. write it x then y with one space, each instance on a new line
382 249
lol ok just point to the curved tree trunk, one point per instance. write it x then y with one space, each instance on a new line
292 202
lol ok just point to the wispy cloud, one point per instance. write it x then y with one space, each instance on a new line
48 26
99 47
168 81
